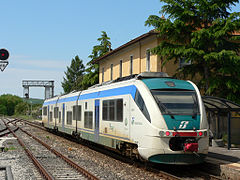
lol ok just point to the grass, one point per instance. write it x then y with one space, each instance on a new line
9 149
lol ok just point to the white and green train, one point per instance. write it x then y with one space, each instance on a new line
149 116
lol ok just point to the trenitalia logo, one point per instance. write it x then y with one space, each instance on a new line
183 125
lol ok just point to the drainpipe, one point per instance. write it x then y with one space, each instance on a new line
229 130
140 47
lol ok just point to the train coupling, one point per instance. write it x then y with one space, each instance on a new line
190 146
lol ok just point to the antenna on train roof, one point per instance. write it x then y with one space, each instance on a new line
152 75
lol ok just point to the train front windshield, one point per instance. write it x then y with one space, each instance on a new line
176 102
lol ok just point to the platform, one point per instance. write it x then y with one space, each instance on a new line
225 163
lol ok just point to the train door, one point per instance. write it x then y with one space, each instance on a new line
63 116
126 116
96 131
54 115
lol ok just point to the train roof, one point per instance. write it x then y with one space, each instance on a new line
125 85
143 75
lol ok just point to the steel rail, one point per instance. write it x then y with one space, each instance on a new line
8 173
41 169
34 125
168 176
4 134
15 120
161 173
3 130
70 162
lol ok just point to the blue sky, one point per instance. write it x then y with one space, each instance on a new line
43 36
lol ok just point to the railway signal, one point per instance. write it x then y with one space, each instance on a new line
4 55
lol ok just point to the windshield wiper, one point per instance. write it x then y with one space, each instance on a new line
164 108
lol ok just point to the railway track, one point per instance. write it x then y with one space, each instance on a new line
161 174
162 171
6 173
50 163
4 130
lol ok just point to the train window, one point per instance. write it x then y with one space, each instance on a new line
88 119
105 110
119 110
45 110
50 116
69 117
140 103
176 102
74 112
55 112
112 110
77 112
85 105
59 117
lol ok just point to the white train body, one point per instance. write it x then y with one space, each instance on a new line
131 117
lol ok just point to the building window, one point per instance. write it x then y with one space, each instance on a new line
120 68
131 65
69 117
88 119
112 110
102 74
148 60
111 72
183 63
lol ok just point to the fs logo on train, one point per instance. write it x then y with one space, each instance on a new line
183 125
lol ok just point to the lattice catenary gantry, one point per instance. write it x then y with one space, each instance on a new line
49 87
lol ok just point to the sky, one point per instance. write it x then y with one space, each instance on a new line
43 36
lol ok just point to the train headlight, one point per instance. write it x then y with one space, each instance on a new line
205 133
200 133
165 133
161 133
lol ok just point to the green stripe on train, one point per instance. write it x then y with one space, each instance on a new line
178 158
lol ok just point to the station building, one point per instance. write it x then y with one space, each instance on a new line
134 57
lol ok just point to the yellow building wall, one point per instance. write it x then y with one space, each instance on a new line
139 52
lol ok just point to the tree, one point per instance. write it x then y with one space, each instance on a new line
3 110
74 76
92 75
21 108
202 32
8 103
